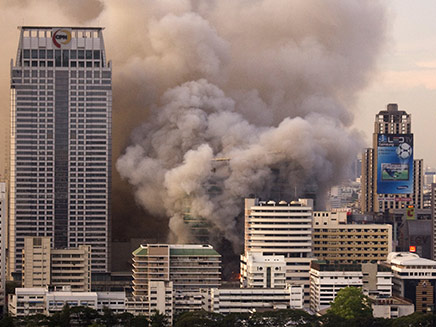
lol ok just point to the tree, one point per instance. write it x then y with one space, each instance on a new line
417 319
351 304
158 320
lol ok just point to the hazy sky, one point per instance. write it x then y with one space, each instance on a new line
407 74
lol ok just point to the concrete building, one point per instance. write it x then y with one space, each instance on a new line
414 279
326 280
282 229
391 308
159 298
336 241
61 142
389 121
377 280
72 267
259 271
36 262
43 266
189 268
3 238
244 300
31 301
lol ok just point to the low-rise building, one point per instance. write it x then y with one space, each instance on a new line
414 278
326 280
259 271
242 300
391 307
30 301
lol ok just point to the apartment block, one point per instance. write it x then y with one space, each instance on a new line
188 267
336 241
43 266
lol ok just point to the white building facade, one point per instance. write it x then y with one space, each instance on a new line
243 300
282 229
31 301
61 142
259 271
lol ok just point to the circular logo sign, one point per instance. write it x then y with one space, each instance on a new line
61 37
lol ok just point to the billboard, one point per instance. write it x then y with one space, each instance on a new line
395 163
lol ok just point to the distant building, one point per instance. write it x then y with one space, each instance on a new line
43 266
391 122
338 242
414 278
282 229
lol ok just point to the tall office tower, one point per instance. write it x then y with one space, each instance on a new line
281 229
3 237
389 178
61 94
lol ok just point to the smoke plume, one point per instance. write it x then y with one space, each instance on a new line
227 98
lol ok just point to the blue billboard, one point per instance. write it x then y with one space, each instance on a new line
394 163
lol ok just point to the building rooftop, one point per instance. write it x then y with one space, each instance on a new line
191 252
408 259
181 249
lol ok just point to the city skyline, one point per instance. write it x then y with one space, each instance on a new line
331 105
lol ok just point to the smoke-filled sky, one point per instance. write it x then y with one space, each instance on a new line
267 84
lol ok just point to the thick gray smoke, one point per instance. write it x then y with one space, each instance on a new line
242 91
268 86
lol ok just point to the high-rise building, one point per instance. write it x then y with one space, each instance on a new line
281 229
60 171
385 182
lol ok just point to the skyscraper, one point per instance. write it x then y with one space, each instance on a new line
61 102
391 179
